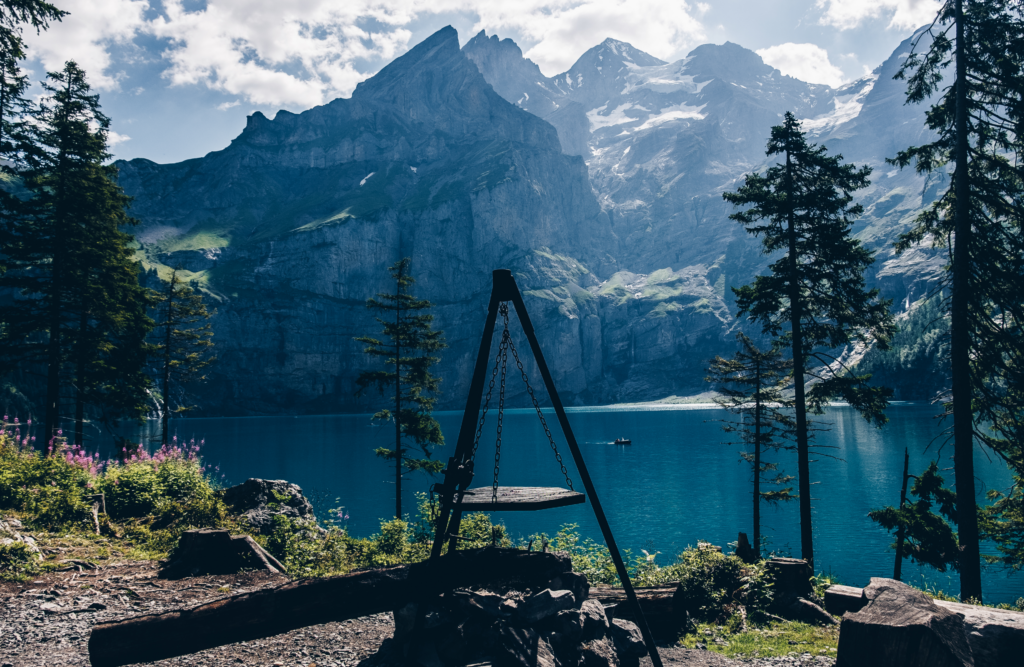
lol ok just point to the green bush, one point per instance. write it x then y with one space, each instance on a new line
49 488
306 551
707 580
132 490
17 561
183 480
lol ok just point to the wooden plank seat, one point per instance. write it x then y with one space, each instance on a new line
519 499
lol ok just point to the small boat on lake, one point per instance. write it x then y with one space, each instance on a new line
623 441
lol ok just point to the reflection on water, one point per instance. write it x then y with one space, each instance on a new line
675 484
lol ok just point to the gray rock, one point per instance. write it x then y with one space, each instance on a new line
405 620
902 627
595 621
480 602
996 636
568 624
598 653
9 534
629 641
523 646
572 581
544 604
259 501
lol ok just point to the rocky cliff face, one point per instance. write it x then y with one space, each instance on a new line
600 188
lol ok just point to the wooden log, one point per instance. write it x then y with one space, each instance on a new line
841 599
655 601
313 602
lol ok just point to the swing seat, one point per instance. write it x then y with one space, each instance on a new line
519 499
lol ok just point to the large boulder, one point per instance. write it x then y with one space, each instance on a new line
996 636
259 501
902 627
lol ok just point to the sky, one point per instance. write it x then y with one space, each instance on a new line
179 77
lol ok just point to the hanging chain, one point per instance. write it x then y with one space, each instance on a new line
501 415
501 361
536 406
487 403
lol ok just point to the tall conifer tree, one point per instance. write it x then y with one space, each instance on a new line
406 359
183 343
979 219
813 298
766 423
69 258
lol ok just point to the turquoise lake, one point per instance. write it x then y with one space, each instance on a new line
678 483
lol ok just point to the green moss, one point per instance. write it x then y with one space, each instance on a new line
774 640
337 218
663 309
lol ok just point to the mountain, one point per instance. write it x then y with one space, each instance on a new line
600 188
292 226
662 141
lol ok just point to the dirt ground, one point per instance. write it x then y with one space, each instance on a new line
47 623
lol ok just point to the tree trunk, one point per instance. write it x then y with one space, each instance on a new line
398 399
54 356
313 602
80 381
800 402
757 463
960 340
897 571
166 411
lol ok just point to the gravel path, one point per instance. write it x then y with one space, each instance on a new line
46 623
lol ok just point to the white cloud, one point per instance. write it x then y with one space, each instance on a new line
113 138
301 53
224 106
87 35
902 14
296 54
561 30
807 62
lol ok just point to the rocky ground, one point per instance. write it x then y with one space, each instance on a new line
47 622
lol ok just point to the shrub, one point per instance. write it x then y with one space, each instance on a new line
707 581
132 490
17 561
184 480
307 552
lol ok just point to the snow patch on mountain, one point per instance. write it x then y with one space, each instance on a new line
616 116
847 104
669 114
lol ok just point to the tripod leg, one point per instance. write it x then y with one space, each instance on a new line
464 446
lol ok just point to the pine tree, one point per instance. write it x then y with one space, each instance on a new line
14 106
766 424
183 343
923 535
14 14
68 257
406 360
813 299
978 120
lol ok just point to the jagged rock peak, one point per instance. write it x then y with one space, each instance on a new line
440 51
626 51
729 62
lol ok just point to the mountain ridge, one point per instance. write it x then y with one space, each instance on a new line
608 209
